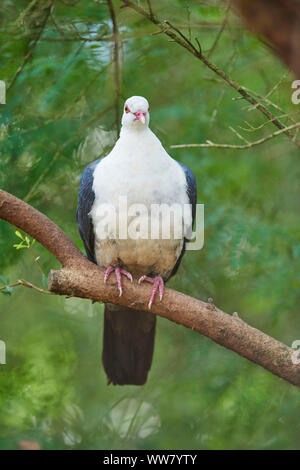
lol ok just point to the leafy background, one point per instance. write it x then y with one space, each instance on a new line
60 115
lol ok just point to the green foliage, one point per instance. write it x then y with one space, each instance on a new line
7 290
60 116
25 243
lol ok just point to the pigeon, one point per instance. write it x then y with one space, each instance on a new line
138 173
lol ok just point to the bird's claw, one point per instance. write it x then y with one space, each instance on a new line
158 285
118 272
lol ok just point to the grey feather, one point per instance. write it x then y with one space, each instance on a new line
191 186
86 199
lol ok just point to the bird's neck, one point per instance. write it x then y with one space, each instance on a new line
137 137
141 144
134 131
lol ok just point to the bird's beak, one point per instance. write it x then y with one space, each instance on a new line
140 116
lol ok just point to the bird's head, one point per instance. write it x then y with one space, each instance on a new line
136 113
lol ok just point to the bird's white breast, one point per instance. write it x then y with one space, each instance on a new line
139 170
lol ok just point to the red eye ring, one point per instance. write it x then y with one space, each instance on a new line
127 110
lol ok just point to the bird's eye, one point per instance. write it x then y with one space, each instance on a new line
148 109
126 109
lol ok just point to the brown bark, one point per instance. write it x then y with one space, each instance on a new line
279 22
40 227
81 278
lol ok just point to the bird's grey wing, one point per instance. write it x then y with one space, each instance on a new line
86 197
191 188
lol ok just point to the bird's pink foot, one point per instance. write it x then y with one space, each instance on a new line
118 272
158 285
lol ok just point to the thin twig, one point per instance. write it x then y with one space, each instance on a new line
224 23
116 62
150 8
189 21
188 42
254 129
239 135
210 144
22 282
274 88
31 49
36 260
78 39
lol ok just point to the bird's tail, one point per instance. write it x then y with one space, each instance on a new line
128 343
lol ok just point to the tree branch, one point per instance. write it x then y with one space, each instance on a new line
81 278
210 144
22 282
40 227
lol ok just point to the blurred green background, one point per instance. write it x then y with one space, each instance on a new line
60 115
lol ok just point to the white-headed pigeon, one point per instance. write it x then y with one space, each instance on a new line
139 172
